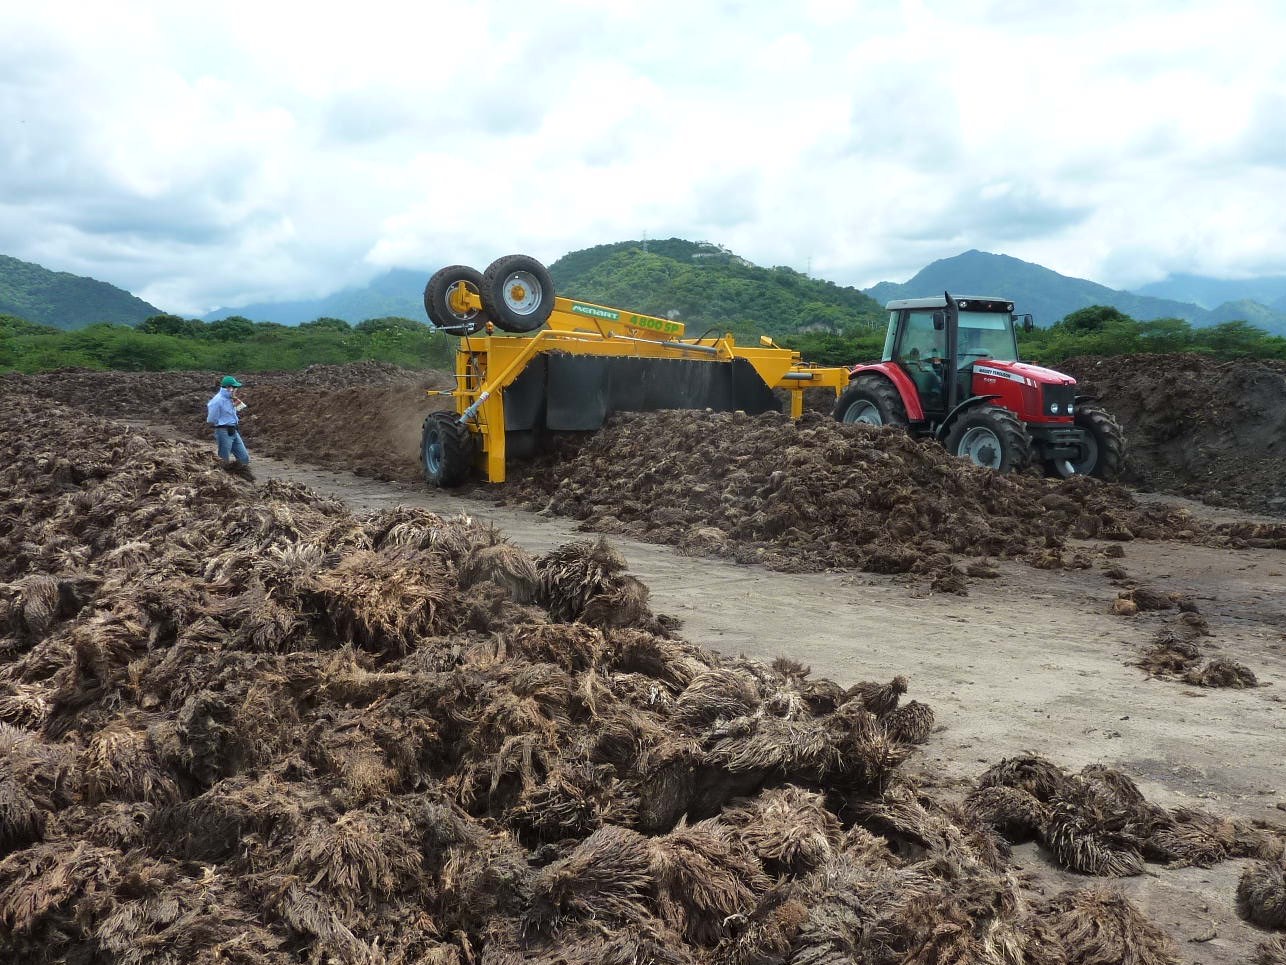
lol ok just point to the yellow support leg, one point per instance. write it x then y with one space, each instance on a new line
796 403
492 416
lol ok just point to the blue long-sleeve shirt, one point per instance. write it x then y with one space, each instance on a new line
222 410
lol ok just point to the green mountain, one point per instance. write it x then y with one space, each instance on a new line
1051 297
700 284
706 287
396 293
63 300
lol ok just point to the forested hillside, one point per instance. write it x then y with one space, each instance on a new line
62 300
705 287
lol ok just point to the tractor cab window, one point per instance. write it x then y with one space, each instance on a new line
986 335
920 353
889 338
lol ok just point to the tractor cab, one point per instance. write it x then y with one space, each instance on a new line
950 369
936 341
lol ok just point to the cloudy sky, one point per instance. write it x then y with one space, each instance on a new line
243 151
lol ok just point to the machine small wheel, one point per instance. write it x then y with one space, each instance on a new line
438 305
518 293
446 450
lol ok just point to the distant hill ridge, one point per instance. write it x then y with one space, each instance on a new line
63 300
1051 296
398 292
1210 293
700 283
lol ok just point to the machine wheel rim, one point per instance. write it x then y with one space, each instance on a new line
451 290
1067 468
982 447
433 454
522 292
863 412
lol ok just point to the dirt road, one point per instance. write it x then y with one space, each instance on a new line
1031 662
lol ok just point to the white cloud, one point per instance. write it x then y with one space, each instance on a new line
252 151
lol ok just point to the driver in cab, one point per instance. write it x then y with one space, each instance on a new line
922 369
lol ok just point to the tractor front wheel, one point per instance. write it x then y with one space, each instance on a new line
992 437
446 450
518 293
1103 452
871 399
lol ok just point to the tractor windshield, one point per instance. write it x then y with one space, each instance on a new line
986 335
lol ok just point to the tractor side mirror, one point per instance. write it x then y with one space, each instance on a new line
939 321
1029 323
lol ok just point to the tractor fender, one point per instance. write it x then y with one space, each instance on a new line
901 381
944 426
1086 398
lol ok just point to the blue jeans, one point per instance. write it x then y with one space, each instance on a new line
229 441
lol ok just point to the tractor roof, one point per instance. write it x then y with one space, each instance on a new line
984 303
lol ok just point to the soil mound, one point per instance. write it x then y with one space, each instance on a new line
1213 430
363 417
239 723
816 494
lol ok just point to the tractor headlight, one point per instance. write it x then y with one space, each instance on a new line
1057 400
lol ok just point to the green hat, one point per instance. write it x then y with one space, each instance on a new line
229 382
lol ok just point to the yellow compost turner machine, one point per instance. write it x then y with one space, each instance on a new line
565 365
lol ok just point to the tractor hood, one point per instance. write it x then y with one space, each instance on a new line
1022 372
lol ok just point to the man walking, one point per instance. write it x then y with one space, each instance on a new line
223 412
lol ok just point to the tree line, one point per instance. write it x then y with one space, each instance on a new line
1096 330
168 342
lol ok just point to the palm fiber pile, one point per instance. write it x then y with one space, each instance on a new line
815 494
1176 652
1098 822
239 724
1196 426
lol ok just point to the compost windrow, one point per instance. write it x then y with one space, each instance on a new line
240 723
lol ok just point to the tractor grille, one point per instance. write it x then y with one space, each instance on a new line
1058 400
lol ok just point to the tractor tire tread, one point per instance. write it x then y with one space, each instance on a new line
878 390
1109 436
1012 432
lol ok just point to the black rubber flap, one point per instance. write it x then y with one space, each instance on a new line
582 390
525 397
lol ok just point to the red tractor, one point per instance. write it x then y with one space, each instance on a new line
950 369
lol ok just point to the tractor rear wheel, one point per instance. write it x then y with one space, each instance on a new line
437 300
446 450
871 399
992 437
1104 454
518 293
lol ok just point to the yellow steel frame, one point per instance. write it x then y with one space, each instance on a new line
486 365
